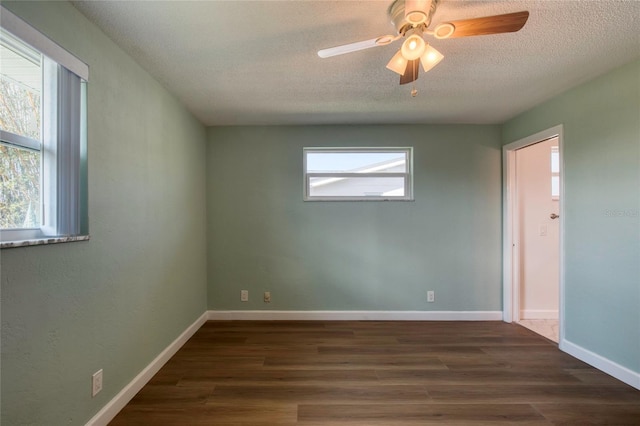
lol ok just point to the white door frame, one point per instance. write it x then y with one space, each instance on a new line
510 243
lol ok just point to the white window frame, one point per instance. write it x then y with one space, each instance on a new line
407 175
63 140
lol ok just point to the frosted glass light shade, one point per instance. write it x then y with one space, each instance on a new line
430 58
413 47
398 63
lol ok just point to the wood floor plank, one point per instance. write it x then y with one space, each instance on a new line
542 350
183 362
249 350
407 422
325 339
213 339
218 415
484 377
286 376
472 362
391 413
534 394
261 326
535 359
327 394
399 349
373 373
593 376
432 328
351 362
473 340
168 395
591 414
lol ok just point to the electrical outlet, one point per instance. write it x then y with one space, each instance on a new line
267 297
431 296
96 383
244 295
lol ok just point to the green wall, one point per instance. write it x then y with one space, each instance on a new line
354 255
601 122
160 255
116 301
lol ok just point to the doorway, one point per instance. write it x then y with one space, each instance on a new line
533 233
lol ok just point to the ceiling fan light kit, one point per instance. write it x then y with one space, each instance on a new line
398 63
413 47
430 58
412 19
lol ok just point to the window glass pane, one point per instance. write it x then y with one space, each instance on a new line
20 188
555 186
356 187
555 173
356 162
555 160
20 88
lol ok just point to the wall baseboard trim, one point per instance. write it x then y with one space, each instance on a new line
113 407
357 315
601 363
539 314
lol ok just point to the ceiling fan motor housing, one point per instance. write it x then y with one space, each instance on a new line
397 16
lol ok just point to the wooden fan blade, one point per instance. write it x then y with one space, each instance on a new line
508 23
411 72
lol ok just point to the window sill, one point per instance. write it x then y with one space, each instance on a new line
365 199
42 241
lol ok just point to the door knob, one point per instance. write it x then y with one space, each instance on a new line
554 216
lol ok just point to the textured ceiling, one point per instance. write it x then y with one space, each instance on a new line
255 62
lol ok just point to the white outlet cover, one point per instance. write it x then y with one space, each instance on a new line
96 383
543 230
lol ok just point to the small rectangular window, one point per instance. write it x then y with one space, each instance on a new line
555 173
370 174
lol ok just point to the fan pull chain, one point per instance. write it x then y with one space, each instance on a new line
414 91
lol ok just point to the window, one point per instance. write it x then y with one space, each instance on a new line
42 135
555 173
333 174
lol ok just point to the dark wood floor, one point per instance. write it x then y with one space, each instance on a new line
377 373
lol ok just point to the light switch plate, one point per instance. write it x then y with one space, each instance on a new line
543 230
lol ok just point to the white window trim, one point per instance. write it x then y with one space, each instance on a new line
29 35
335 176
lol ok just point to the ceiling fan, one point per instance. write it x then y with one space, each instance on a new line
411 19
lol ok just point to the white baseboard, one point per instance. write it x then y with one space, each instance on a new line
113 407
358 315
601 363
539 314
